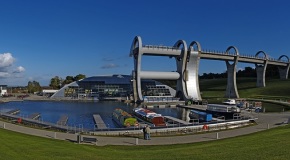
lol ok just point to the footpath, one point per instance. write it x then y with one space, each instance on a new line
264 121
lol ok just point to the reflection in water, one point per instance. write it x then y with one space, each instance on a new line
79 113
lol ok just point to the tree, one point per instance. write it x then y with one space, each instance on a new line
79 77
247 72
272 71
68 80
55 82
33 87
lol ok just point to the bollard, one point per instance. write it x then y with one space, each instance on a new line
54 135
217 135
268 126
78 138
4 125
136 141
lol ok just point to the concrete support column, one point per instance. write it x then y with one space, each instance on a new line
231 91
180 63
134 86
136 52
283 71
191 76
185 114
261 71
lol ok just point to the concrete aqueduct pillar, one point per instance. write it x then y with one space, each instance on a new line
232 91
191 70
180 63
261 70
136 51
283 71
185 114
187 87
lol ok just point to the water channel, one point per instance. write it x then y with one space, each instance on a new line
79 113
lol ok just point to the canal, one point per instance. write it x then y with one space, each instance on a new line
79 113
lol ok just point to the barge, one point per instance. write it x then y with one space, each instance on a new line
201 116
149 116
226 110
123 118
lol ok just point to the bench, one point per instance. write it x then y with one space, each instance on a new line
90 140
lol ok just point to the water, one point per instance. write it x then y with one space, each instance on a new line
80 114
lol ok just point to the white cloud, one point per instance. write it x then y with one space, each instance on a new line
7 70
19 69
4 75
6 60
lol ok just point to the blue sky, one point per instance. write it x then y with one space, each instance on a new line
40 39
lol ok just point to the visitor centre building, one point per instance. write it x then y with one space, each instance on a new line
111 87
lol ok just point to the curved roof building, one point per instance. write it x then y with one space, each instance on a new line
110 86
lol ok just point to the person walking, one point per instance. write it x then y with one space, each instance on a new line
144 132
147 129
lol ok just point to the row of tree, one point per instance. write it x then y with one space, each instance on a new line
271 71
55 83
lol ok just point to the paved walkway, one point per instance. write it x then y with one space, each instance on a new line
264 121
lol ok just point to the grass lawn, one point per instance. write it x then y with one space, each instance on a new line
275 88
269 144
214 90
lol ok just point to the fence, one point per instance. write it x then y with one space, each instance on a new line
179 130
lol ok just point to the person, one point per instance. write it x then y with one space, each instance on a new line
147 130
144 132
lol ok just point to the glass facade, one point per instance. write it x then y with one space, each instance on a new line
106 86
110 86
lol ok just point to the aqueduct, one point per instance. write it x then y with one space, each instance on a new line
187 59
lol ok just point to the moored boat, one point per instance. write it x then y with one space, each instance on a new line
223 110
123 118
149 116
230 102
201 116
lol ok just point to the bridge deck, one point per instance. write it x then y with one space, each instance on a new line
99 122
165 51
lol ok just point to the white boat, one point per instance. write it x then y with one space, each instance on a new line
226 109
230 102
223 108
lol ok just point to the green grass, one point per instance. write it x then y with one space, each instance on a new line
214 90
269 144
275 88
